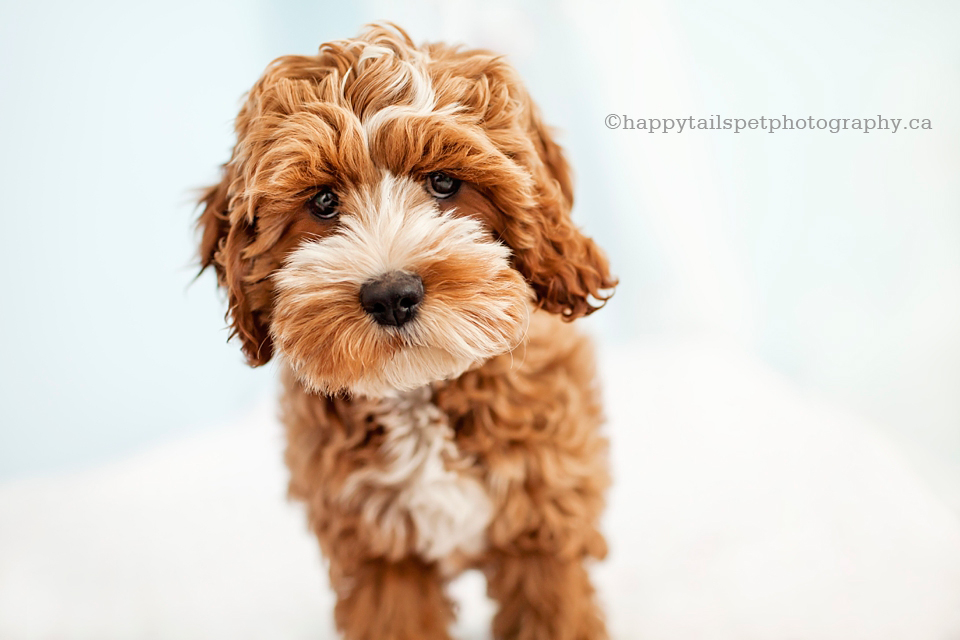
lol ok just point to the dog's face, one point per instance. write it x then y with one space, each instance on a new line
390 216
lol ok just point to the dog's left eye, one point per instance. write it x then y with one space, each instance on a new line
324 204
440 185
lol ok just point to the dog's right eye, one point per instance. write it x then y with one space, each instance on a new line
324 204
442 186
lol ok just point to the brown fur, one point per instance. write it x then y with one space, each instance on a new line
525 422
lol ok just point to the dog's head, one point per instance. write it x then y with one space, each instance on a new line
391 214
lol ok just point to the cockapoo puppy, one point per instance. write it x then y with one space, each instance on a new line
394 225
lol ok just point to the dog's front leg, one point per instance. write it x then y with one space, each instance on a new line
378 599
543 597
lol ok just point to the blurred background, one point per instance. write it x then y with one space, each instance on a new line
782 357
834 258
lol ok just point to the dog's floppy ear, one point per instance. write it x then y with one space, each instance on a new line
566 269
225 236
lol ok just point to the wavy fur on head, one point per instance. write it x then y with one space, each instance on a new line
467 435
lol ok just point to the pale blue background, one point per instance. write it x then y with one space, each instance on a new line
835 258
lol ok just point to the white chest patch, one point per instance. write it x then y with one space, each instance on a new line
423 483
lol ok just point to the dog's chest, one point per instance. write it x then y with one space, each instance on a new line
422 495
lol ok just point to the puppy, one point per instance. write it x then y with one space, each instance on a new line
394 225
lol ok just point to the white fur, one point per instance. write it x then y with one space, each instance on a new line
374 51
420 483
413 75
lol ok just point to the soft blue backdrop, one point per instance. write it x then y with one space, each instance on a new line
835 258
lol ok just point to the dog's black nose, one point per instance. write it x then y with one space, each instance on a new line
392 299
